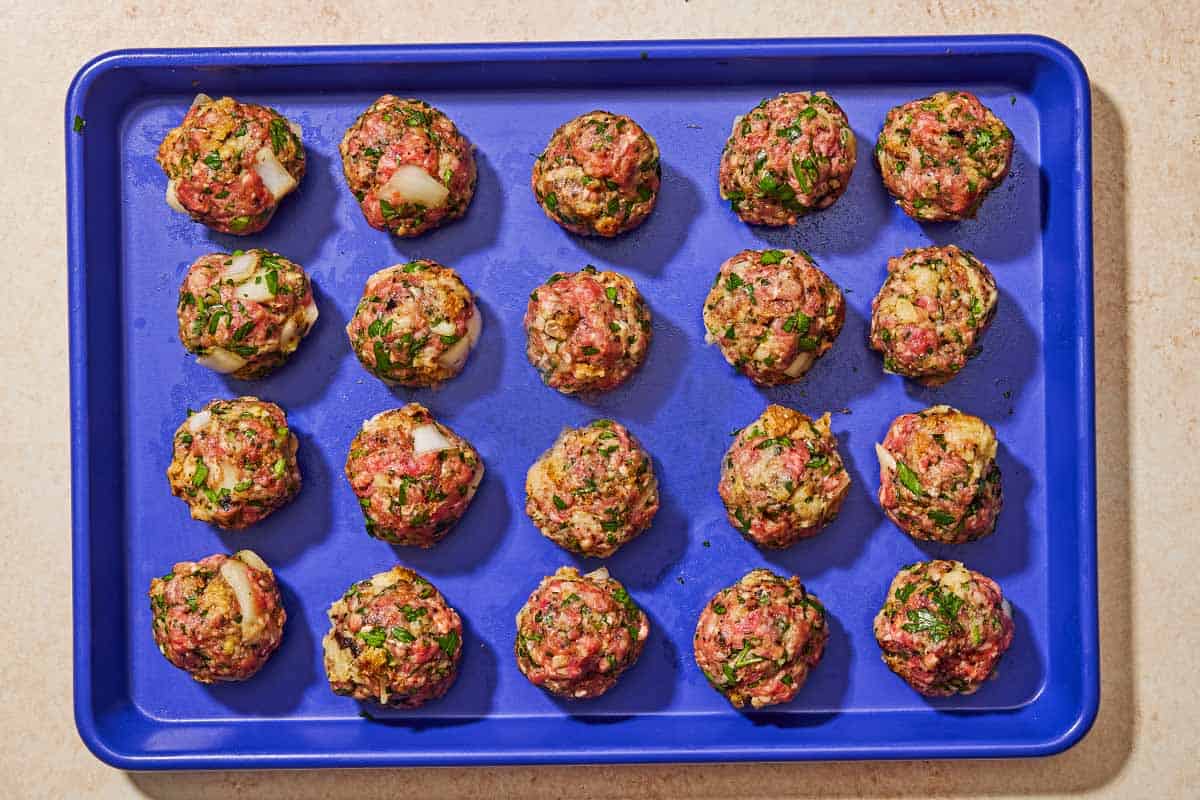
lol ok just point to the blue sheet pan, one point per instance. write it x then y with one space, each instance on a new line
131 386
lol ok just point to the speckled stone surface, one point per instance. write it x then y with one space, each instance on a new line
1144 62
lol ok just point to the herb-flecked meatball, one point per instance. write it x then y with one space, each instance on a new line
599 175
757 640
938 479
941 155
782 479
229 164
415 324
234 462
788 156
414 477
773 313
393 640
577 633
219 618
408 166
943 627
244 313
586 331
931 312
593 490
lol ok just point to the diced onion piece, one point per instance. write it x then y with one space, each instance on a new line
289 335
886 460
255 291
310 312
457 353
253 559
218 359
444 328
428 439
230 475
173 198
1006 607
199 420
600 574
235 574
800 365
199 100
279 181
411 184
241 266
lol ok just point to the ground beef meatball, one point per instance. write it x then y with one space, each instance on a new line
941 155
943 627
394 640
408 166
599 175
244 313
586 331
414 477
219 618
773 313
577 633
234 462
782 479
415 324
938 479
594 490
757 640
931 312
789 156
229 164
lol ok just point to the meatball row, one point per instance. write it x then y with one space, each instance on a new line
229 164
395 641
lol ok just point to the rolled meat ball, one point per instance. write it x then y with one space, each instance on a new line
413 476
783 479
229 164
245 313
577 634
220 618
938 478
234 462
757 641
599 175
393 640
415 325
943 628
408 166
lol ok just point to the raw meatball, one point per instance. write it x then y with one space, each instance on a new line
414 477
234 462
415 324
219 618
938 479
789 156
931 312
942 154
244 313
773 313
757 640
594 490
408 166
943 627
394 640
599 175
782 479
577 633
586 331
229 164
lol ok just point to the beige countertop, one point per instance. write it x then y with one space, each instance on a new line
1144 63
